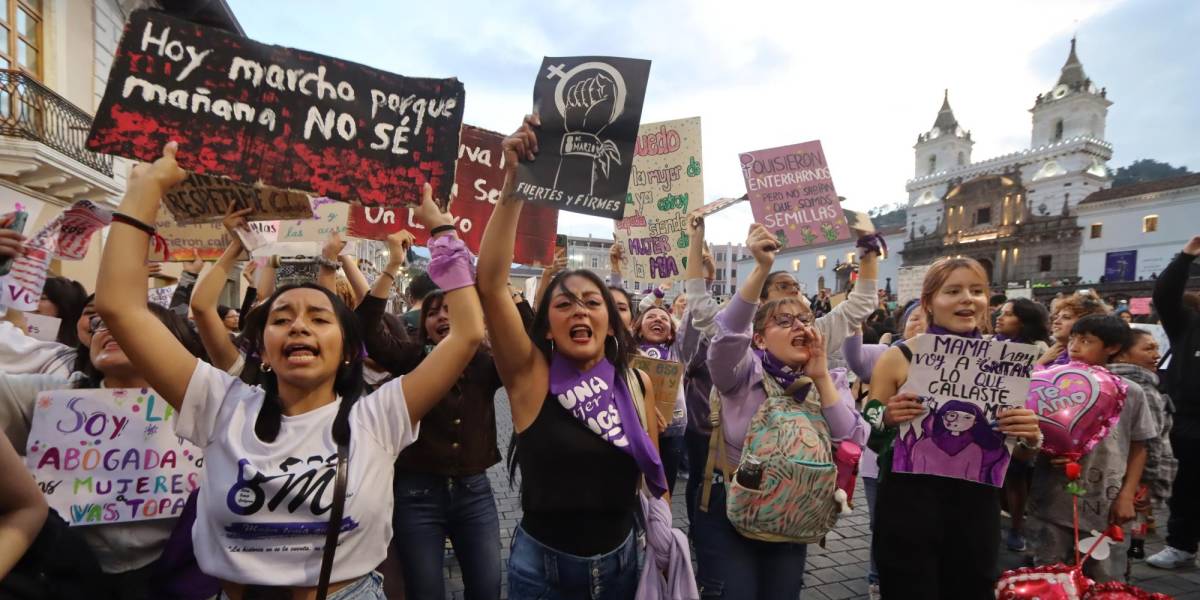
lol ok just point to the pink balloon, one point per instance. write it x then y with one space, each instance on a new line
1115 590
1047 582
1077 404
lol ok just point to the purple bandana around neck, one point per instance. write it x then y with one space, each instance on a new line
659 351
785 375
602 403
939 330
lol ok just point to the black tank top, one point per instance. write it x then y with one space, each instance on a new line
578 492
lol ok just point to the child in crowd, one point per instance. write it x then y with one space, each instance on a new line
1110 473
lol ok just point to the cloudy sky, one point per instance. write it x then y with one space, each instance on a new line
865 81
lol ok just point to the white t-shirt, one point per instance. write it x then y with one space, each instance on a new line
263 508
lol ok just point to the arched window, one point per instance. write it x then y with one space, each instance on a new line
932 164
1058 131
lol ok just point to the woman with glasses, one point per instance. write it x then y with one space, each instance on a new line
127 552
776 341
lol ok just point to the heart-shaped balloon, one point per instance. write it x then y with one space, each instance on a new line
1076 404
1115 590
1048 582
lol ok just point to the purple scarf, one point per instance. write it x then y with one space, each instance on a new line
659 351
601 402
785 375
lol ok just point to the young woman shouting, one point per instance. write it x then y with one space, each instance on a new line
273 454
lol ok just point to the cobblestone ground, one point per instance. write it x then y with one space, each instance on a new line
836 572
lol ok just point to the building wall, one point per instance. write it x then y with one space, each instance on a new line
589 253
726 258
1121 222
804 263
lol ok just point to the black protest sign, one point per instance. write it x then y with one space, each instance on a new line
590 107
205 199
285 118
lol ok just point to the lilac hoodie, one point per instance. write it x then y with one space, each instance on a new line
738 374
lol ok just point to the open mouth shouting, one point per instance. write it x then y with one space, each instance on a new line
581 334
300 354
965 313
443 330
800 340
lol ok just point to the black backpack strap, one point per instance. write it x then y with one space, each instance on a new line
904 349
335 520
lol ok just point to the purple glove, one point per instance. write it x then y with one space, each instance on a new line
873 243
658 293
451 265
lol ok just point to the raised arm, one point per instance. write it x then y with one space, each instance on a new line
729 356
327 272
1168 290
845 318
358 281
187 282
23 510
121 284
397 355
701 308
451 269
221 350
522 368
559 265
615 255
248 273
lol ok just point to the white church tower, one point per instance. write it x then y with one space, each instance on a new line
945 147
1069 122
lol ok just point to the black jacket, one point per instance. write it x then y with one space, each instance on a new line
1183 329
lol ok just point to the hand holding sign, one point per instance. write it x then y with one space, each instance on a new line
763 245
156 178
11 243
398 244
430 215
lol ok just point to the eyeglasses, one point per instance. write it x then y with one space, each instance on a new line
788 320
96 324
786 286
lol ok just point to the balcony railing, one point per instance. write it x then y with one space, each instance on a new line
31 111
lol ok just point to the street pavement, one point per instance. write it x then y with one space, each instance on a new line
836 572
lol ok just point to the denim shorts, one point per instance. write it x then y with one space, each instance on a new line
367 587
538 571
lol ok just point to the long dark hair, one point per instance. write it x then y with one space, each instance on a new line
177 325
433 302
349 380
69 297
617 353
1034 318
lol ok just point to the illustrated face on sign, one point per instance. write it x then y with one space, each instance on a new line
303 340
957 421
1143 352
623 307
960 301
655 327
578 319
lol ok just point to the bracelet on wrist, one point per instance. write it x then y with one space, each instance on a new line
440 229
118 217
329 264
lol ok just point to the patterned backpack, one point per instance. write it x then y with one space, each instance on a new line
790 440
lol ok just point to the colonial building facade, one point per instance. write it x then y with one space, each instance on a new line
1014 213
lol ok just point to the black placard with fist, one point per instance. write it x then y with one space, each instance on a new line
590 107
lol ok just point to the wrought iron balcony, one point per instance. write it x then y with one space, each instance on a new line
31 111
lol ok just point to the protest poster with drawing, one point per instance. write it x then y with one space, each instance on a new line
287 118
791 193
665 377
479 177
206 199
665 185
963 383
590 107
110 456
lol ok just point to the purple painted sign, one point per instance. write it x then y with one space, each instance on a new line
791 193
963 383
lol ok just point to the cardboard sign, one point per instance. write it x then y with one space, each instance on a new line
42 327
791 193
205 199
666 183
1140 306
666 377
909 281
208 240
718 205
287 118
479 178
963 383
110 456
162 295
590 108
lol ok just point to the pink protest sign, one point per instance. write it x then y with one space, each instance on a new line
110 456
791 193
1139 306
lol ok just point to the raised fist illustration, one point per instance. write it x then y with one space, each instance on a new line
589 103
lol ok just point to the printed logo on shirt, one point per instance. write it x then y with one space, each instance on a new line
290 489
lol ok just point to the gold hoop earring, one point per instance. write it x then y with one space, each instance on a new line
264 367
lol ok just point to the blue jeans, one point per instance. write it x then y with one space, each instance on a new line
734 567
541 572
697 453
870 489
430 508
671 450
367 587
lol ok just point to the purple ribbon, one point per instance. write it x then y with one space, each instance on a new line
873 243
